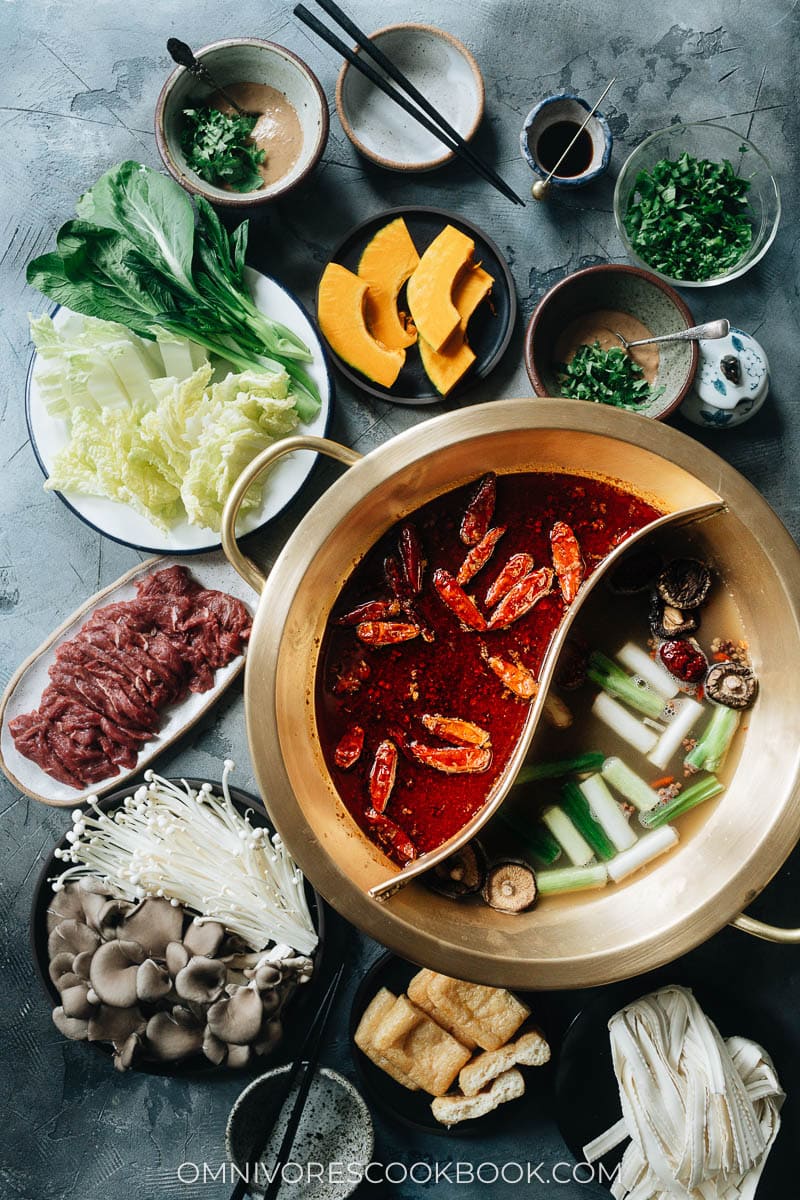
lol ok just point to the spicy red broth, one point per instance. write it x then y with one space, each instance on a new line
372 694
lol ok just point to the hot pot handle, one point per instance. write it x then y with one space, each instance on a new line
245 566
769 933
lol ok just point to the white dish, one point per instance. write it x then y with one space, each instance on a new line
118 521
441 68
25 688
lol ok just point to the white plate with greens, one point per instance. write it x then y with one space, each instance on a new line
124 524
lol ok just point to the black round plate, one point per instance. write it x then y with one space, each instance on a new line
302 1005
414 1108
587 1097
489 330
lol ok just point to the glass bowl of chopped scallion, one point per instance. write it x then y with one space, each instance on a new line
697 204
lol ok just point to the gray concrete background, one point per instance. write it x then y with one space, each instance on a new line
77 92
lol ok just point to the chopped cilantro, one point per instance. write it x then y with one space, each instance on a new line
606 377
690 218
218 148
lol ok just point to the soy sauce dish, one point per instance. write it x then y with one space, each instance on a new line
550 127
265 154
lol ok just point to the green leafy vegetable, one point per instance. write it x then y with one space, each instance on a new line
606 377
690 218
135 257
218 148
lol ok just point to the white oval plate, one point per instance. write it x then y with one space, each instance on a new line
25 688
121 523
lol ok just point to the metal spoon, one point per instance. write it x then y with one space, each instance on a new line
713 329
182 54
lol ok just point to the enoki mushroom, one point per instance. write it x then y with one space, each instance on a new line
194 849
701 1113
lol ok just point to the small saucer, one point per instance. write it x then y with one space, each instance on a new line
566 106
335 1130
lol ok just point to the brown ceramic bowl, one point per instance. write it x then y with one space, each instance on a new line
626 289
243 60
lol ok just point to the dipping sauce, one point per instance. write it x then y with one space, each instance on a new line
385 691
554 140
599 326
277 131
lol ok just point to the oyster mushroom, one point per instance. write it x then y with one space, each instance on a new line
123 1058
112 915
237 1019
82 962
75 1001
731 684
510 886
684 583
113 972
201 980
71 936
115 1025
204 937
154 925
269 1037
61 964
71 1027
265 976
462 874
238 1056
177 956
153 981
64 906
214 1049
169 1040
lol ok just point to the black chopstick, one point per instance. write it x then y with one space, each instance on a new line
307 1058
394 72
452 140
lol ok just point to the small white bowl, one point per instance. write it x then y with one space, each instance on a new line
243 60
440 67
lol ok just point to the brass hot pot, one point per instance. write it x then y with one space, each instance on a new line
579 940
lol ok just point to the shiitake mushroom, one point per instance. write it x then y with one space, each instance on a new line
510 886
462 874
731 684
667 622
684 583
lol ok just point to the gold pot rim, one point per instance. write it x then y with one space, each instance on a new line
688 897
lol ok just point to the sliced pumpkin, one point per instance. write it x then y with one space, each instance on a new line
340 312
446 367
387 262
430 288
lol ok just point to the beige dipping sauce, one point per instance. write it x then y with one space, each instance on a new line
599 326
277 131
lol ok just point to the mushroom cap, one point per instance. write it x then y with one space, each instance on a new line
462 874
123 1058
269 1037
113 972
82 963
238 1056
215 1050
510 886
72 1027
115 1025
73 936
65 905
204 937
67 980
112 914
667 622
169 1040
266 976
237 1019
731 684
177 956
154 924
60 964
153 981
684 583
75 1002
201 980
